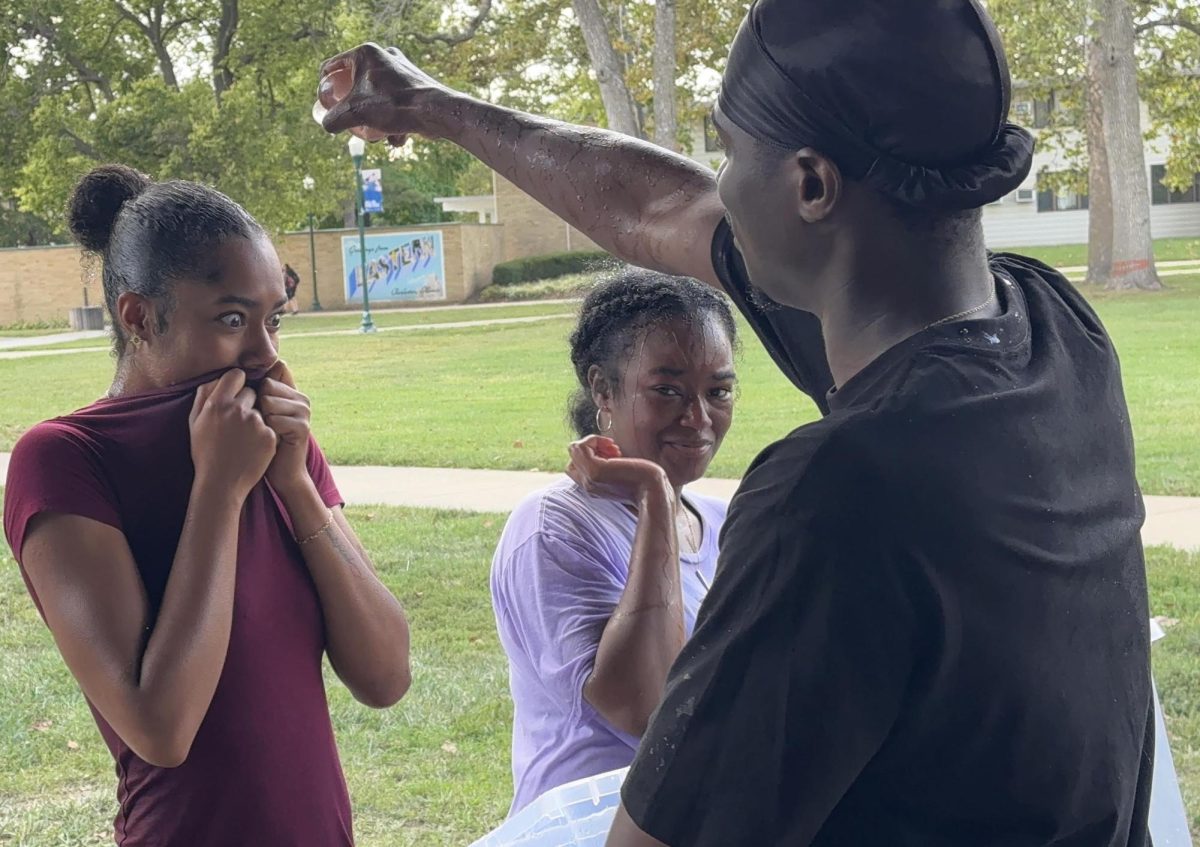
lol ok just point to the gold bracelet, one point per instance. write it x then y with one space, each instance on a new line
324 528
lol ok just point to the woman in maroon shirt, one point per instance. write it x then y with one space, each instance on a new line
184 540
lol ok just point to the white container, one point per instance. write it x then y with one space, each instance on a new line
578 814
1168 816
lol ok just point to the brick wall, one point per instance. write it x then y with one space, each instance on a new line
530 229
41 284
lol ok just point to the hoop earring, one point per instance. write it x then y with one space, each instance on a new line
601 428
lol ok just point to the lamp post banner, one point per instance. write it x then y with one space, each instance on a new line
372 190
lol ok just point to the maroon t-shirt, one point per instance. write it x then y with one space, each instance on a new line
264 767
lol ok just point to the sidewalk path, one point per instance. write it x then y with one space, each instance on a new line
1174 521
290 336
457 307
56 338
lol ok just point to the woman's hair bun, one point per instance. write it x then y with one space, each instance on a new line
97 200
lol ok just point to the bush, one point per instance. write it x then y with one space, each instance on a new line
549 266
36 326
570 287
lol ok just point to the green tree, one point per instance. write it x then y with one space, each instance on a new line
588 61
1094 59
218 91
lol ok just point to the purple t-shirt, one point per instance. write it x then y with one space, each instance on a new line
558 573
263 768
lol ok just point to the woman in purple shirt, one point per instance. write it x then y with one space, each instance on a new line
597 579
184 540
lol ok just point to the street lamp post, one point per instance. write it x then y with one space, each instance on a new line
358 149
309 185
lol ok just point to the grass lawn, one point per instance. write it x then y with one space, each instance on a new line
1075 255
294 325
434 770
494 397
299 324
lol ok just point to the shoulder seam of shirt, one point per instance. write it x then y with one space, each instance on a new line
538 531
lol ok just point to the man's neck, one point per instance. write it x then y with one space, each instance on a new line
889 296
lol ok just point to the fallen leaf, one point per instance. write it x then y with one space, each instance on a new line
72 745
450 748
520 445
1165 622
488 524
42 726
474 639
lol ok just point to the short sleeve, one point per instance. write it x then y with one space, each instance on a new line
322 475
793 338
53 468
789 687
553 598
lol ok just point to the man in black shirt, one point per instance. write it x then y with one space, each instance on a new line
929 622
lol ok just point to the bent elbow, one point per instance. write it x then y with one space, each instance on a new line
168 757
164 749
386 693
622 712
632 722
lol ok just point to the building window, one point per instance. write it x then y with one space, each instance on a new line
1033 112
1023 112
1042 112
1064 200
1160 195
712 141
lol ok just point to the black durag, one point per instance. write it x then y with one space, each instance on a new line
908 96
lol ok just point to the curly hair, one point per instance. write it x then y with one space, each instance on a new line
617 312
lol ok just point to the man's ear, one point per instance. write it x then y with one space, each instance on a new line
818 184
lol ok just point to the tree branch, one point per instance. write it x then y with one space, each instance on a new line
1173 22
452 38
155 34
174 26
44 29
82 146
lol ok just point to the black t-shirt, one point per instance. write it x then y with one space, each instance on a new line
929 623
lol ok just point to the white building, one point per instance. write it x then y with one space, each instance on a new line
1029 217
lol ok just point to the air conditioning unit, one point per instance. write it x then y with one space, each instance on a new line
1026 195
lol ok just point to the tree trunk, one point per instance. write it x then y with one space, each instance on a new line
1100 209
666 123
618 103
1132 247
158 36
222 45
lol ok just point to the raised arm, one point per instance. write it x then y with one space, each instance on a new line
645 633
153 679
644 204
